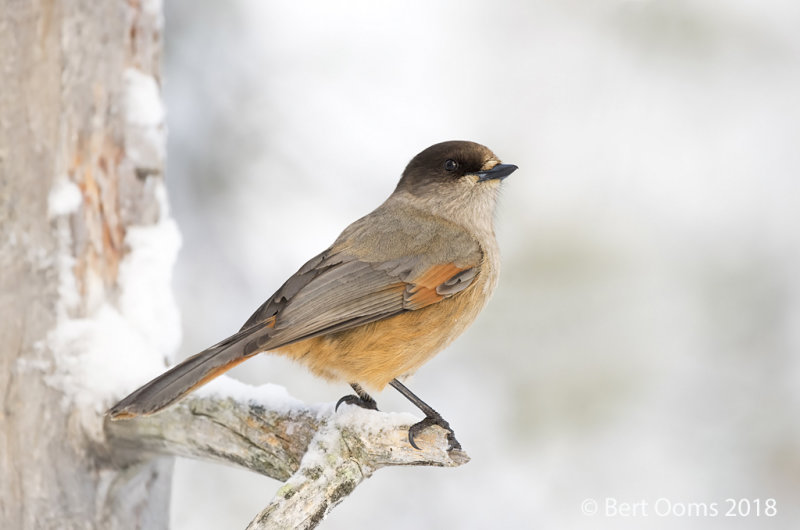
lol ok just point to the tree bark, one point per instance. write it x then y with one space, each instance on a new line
76 171
320 454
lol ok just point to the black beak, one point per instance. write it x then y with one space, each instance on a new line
500 171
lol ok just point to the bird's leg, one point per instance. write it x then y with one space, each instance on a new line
431 417
361 399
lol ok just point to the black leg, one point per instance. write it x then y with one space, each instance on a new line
361 399
431 417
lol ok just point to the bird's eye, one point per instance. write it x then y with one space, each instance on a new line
450 165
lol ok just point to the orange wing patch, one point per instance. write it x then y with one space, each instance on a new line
423 292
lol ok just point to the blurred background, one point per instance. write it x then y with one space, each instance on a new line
643 342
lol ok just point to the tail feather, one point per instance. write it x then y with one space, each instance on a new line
192 373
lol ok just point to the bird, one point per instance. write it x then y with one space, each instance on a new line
394 289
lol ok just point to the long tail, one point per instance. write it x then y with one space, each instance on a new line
192 373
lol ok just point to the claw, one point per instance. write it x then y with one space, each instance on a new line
351 399
417 428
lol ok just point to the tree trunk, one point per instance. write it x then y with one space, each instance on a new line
78 168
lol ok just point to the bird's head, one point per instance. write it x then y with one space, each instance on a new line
455 179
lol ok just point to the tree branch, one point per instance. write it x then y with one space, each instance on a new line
322 455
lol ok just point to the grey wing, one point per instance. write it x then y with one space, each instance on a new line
312 268
329 293
335 291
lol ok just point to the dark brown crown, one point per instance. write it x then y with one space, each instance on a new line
442 163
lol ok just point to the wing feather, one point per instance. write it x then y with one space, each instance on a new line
347 286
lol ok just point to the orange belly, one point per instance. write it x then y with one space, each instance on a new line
375 353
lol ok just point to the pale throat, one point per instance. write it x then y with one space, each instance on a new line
469 205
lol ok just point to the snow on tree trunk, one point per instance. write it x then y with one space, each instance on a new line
85 256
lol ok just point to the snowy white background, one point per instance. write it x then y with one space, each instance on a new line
644 339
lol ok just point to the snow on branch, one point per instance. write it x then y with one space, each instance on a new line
321 455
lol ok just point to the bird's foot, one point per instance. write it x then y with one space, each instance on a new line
352 399
417 428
